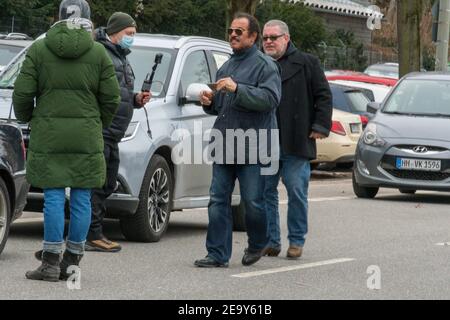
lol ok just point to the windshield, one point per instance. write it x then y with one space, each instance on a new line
142 60
9 75
358 101
420 97
7 53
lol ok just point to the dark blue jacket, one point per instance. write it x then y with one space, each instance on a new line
258 93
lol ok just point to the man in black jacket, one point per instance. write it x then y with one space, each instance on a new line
117 38
304 115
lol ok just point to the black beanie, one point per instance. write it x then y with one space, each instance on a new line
118 22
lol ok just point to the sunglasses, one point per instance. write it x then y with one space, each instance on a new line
272 38
238 32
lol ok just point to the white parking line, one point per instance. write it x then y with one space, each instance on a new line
323 199
444 244
292 268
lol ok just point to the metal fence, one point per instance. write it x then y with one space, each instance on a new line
346 58
13 24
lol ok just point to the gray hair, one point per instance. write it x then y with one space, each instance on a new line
278 23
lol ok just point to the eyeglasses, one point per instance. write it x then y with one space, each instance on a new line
238 32
272 38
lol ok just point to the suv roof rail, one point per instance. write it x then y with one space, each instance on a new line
187 39
17 36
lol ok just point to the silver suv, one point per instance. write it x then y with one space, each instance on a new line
150 185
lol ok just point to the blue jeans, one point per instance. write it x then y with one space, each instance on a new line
295 173
219 239
80 219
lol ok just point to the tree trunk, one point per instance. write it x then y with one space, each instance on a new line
235 6
409 13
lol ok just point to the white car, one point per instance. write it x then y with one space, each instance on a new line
340 146
375 92
9 49
386 70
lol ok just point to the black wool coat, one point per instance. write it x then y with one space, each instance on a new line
306 103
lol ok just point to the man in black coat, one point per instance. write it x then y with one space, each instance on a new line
117 38
304 115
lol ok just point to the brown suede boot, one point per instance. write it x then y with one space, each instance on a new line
294 252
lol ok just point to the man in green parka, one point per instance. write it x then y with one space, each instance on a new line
73 82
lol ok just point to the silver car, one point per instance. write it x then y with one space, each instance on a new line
407 144
150 185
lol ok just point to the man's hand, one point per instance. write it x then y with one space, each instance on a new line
206 98
317 136
226 84
143 98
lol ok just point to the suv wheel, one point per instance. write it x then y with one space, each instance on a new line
239 217
155 201
363 192
5 214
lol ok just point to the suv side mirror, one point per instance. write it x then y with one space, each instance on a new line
373 107
193 93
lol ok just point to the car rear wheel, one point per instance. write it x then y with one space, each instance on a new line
363 192
155 202
5 214
239 217
407 191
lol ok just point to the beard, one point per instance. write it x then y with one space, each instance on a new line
274 54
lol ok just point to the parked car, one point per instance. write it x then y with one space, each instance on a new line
386 70
9 49
150 185
13 185
15 36
375 88
407 144
352 100
340 146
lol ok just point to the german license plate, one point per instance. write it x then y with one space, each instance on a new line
355 128
418 164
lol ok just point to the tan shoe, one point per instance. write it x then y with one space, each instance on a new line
294 252
102 245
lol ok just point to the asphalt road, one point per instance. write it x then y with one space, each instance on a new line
388 248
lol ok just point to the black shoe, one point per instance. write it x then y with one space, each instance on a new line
69 260
251 256
38 255
49 270
209 262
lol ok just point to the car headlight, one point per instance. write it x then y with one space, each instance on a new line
371 138
131 131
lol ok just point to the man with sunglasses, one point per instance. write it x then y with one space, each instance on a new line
248 92
304 115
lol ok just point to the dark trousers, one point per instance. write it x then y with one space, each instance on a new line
220 229
99 196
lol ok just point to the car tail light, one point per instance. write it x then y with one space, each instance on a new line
364 120
338 128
